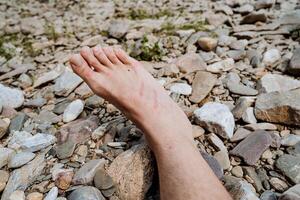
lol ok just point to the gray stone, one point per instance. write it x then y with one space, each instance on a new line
86 193
11 97
190 62
277 107
38 102
260 4
237 171
20 159
217 142
17 195
4 124
66 83
277 83
17 122
46 116
86 173
290 140
52 194
240 134
5 155
223 159
102 180
216 118
278 184
271 56
253 146
213 164
250 171
21 178
202 85
268 195
294 65
241 106
249 116
221 66
289 165
261 126
181 88
36 142
48 76
65 150
293 192
94 101
17 138
73 110
118 28
61 106
239 88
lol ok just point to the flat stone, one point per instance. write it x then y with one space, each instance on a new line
4 124
21 178
17 195
249 116
132 172
213 164
207 43
278 184
5 155
11 97
37 142
237 171
46 116
223 159
261 126
73 110
290 140
221 66
293 192
86 193
277 83
216 118
217 142
239 88
84 90
250 171
202 85
241 106
253 146
87 172
240 134
66 83
289 165
102 180
36 103
35 196
65 150
181 88
48 76
271 56
17 138
52 194
260 4
277 107
118 28
17 122
253 18
63 178
294 65
61 106
94 101
190 62
20 159
268 195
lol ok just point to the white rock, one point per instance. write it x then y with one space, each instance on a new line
11 96
277 83
216 118
248 116
52 194
181 88
37 142
221 66
271 56
73 110
20 159
17 195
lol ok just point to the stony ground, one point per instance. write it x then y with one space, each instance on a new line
232 66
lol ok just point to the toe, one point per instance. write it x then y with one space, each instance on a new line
101 56
80 67
109 52
90 58
123 57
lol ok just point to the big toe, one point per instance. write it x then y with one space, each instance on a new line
80 67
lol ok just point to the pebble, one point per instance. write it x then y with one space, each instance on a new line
290 140
190 62
5 155
48 76
223 159
37 142
261 126
11 97
253 18
17 122
36 103
102 180
221 66
86 192
52 194
17 195
63 178
20 159
289 165
216 118
249 116
66 83
240 134
278 184
268 195
252 147
207 43
35 196
217 142
181 88
277 83
271 57
73 110
294 66
237 171
118 28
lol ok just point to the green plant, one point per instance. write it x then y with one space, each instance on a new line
149 52
50 32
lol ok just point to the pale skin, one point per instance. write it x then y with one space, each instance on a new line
122 80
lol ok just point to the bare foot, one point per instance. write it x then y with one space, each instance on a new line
123 81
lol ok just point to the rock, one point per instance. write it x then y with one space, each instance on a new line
35 196
94 101
290 140
52 194
63 178
190 62
36 142
65 150
268 195
244 9
4 175
198 131
73 110
21 178
261 126
17 138
118 28
5 155
249 116
260 4
250 171
17 195
3 127
20 159
132 172
239 189
84 90
48 76
241 106
271 57
86 173
86 193
252 147
237 171
216 118
202 85
277 107
11 97
17 122
223 159
207 43
36 103
221 66
240 134
66 83
277 83
293 192
289 165
181 88
46 116
238 88
294 65
278 184
217 142
253 18
102 180
213 164
61 106
93 41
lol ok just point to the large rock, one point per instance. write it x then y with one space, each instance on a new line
253 146
216 118
86 193
66 83
21 178
190 62
294 65
283 107
11 97
277 83
132 172
202 85
290 167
